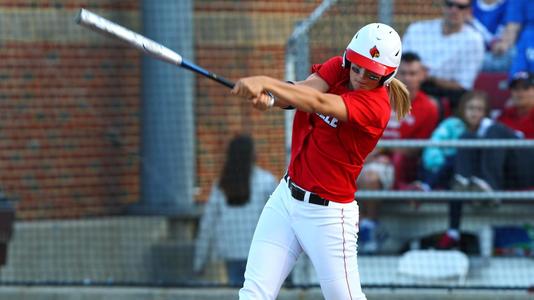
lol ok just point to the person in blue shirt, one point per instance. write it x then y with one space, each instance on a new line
519 30
438 162
489 19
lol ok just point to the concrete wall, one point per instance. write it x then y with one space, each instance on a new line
84 293
140 250
120 249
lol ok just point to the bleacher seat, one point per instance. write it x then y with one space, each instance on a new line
496 85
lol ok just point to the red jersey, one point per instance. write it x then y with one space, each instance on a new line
419 124
327 155
524 124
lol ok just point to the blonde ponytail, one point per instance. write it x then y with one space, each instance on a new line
399 97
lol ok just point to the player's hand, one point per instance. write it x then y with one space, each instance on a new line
263 102
248 87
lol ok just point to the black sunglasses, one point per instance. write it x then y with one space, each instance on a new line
451 4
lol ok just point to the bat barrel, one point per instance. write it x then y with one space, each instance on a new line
99 24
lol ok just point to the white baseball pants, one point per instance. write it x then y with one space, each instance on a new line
328 235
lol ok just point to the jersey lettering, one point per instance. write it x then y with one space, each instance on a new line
328 120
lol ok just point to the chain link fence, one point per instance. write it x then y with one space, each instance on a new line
109 158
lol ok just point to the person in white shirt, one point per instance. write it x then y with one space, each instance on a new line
452 51
233 209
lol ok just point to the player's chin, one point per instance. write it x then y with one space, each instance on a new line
356 85
363 86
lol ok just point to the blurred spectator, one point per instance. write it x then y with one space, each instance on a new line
233 209
489 19
397 168
519 113
419 124
471 122
438 162
519 31
452 51
478 169
482 169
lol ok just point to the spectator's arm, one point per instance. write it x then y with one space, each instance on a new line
272 183
434 157
205 232
507 39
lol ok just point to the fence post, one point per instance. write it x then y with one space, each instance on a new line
385 11
167 166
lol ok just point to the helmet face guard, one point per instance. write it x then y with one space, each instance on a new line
376 47
369 64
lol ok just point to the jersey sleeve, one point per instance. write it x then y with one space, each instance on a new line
330 71
448 129
367 110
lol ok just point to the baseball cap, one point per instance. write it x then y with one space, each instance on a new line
521 80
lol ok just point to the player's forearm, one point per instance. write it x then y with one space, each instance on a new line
301 97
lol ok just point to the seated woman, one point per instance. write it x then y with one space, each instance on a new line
482 168
478 169
233 208
438 162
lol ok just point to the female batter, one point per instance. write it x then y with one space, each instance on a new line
342 108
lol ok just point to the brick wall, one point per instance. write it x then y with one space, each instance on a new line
69 100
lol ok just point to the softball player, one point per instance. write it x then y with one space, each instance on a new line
342 108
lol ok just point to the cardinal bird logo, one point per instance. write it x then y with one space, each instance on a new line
374 52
